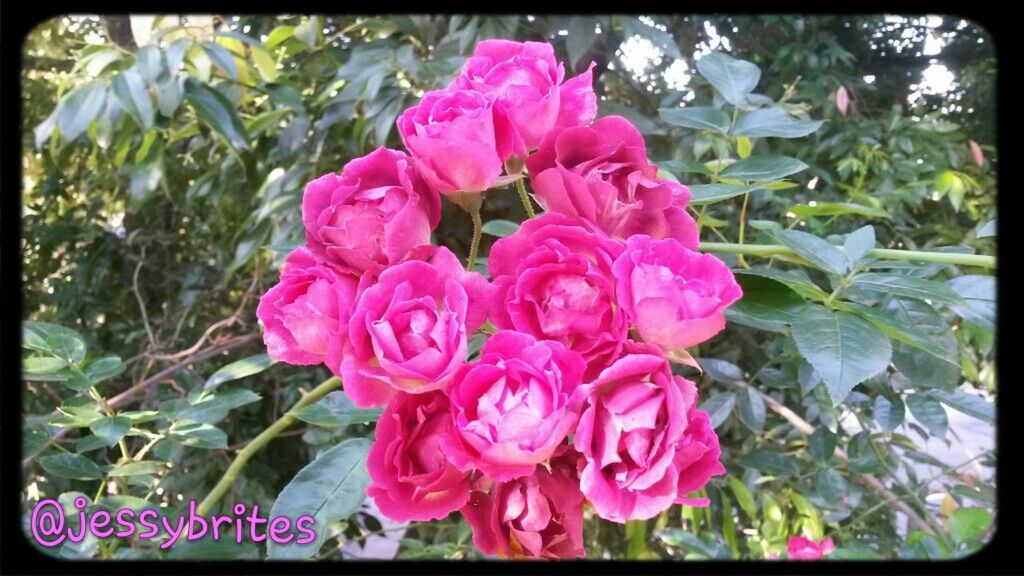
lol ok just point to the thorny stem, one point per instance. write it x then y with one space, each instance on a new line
521 186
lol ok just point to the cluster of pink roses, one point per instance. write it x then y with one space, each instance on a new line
572 399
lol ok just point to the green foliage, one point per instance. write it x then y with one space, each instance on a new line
163 176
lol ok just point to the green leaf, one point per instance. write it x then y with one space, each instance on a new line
843 348
279 35
888 413
150 63
766 304
967 403
979 295
718 407
239 369
989 229
42 365
336 410
733 79
684 166
216 111
774 122
198 435
308 31
207 548
901 285
169 96
743 496
817 251
969 524
897 328
761 168
837 209
859 243
822 443
709 193
697 117
287 96
130 90
500 228
64 343
831 485
265 63
744 147
582 33
209 408
721 370
928 411
921 368
796 281
330 488
71 466
137 468
751 408
79 108
222 58
768 461
111 428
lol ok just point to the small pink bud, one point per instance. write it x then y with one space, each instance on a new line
842 100
979 156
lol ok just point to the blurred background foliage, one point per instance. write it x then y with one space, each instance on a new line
164 160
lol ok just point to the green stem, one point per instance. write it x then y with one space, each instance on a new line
259 442
743 225
474 247
768 250
636 532
521 186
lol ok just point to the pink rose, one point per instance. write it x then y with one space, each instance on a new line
800 548
600 173
512 409
411 476
674 296
531 97
371 215
633 419
306 313
538 516
697 456
451 136
553 280
408 331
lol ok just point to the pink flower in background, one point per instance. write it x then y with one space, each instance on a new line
538 516
976 153
553 280
409 330
674 296
600 173
842 100
633 420
800 548
412 478
306 313
531 97
512 408
451 136
372 214
697 457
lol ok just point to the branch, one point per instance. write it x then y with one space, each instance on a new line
768 250
125 397
259 442
870 481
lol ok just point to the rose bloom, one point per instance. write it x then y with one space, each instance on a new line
600 173
305 315
675 297
513 407
537 516
553 280
697 457
411 476
408 331
633 419
800 548
531 95
451 136
371 215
